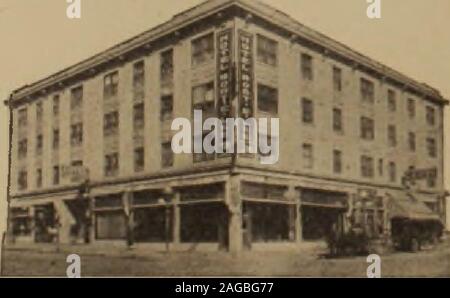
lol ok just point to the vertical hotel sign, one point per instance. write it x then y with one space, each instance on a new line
246 74
225 72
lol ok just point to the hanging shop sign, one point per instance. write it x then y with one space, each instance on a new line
225 72
246 74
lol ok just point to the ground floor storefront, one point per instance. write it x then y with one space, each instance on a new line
245 211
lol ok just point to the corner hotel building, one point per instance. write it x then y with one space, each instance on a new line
91 157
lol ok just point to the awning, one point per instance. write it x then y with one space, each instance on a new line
407 206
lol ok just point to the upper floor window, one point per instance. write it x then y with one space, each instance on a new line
22 180
367 167
337 161
139 80
23 117
23 148
337 120
431 116
111 123
367 90
392 135
392 172
76 98
431 147
307 67
39 178
76 134
203 99
55 138
167 155
367 128
56 175
337 79
39 111
392 100
166 66
56 105
411 108
307 111
166 108
111 85
39 144
111 164
203 49
412 141
267 100
267 51
139 159
138 116
308 156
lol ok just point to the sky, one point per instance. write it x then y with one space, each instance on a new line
37 39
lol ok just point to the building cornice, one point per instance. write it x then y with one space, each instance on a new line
207 9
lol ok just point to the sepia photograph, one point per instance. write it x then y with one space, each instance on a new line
225 138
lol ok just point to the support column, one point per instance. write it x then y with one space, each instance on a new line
234 202
298 221
176 219
91 218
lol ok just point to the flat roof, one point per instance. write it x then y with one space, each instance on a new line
210 7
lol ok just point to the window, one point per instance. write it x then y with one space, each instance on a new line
337 120
267 100
39 144
55 175
392 101
23 148
367 167
167 66
23 117
138 116
307 67
392 135
167 155
411 108
139 159
139 80
431 181
267 51
55 138
367 128
76 134
111 123
39 178
111 85
392 172
412 141
166 108
307 111
367 91
56 105
337 79
203 99
431 147
308 157
111 164
201 157
203 49
381 167
22 180
76 98
431 119
39 111
337 161
77 163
